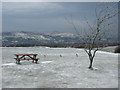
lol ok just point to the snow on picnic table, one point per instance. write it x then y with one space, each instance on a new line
55 71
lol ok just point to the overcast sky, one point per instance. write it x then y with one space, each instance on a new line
48 17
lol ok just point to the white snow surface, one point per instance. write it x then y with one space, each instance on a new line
9 64
58 68
47 62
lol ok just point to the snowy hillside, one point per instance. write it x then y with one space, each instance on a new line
16 38
55 71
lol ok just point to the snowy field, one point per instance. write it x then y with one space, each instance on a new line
53 71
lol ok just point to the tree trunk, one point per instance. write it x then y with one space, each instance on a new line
91 62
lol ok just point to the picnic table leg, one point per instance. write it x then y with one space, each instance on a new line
17 61
36 61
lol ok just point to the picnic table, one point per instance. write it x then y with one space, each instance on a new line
20 57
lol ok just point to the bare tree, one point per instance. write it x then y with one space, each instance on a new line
96 37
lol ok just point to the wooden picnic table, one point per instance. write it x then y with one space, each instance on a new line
20 57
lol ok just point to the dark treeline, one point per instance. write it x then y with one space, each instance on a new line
74 45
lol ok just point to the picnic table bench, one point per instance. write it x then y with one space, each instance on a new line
20 57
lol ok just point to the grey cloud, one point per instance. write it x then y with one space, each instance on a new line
46 16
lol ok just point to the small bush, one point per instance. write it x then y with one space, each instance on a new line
117 49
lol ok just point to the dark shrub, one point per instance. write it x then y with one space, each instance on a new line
117 49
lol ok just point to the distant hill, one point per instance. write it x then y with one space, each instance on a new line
35 39
24 39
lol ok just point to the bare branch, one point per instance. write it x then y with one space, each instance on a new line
95 52
86 51
89 24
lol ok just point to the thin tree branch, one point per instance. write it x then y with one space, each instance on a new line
89 24
86 51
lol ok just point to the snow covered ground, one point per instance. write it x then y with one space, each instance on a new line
55 71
